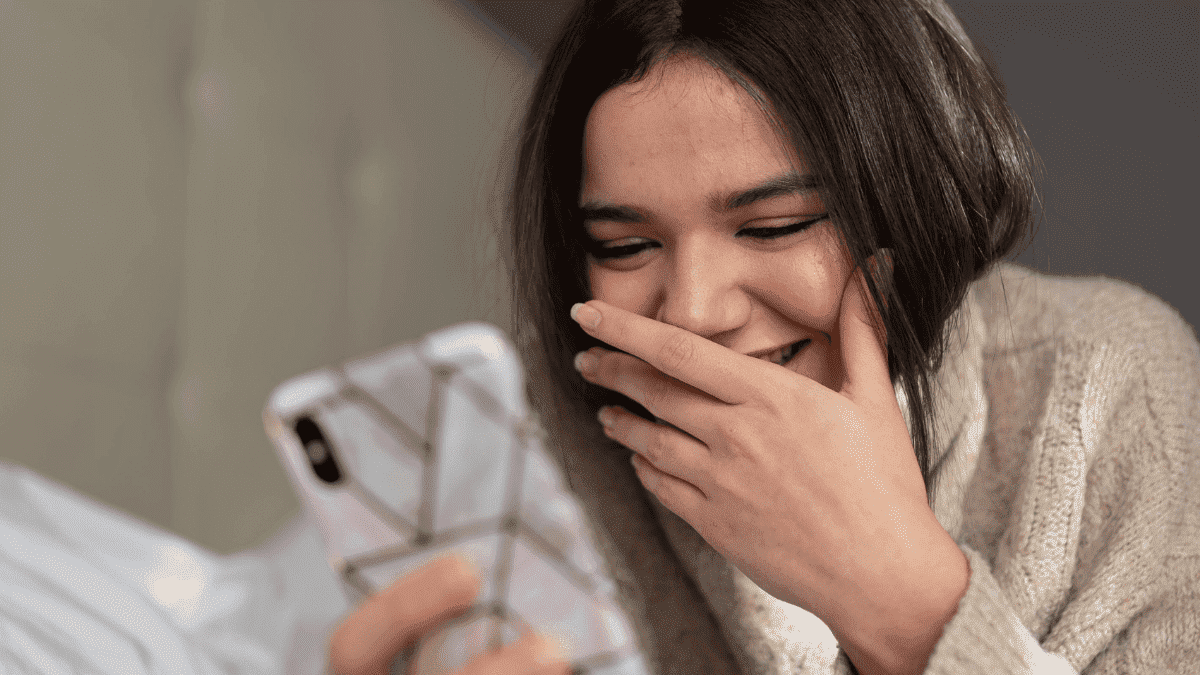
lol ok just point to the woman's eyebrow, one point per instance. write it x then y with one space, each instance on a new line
595 210
788 184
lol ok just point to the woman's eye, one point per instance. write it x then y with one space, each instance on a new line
620 249
777 232
603 250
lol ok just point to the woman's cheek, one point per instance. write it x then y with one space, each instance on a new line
830 268
629 290
600 283
813 289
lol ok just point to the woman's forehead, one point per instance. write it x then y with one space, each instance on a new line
685 115
678 80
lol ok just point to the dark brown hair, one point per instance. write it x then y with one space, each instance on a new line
901 119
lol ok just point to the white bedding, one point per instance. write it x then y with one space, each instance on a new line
87 589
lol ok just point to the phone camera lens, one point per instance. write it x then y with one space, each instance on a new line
317 448
317 452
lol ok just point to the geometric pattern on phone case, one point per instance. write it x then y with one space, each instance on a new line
435 462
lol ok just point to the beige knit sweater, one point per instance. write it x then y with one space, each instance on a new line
1067 469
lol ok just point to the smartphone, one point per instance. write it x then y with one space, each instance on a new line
430 448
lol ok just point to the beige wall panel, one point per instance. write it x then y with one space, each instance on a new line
201 199
91 227
340 168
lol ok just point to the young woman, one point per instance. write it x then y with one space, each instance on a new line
758 244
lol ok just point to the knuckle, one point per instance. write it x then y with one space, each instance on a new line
731 429
728 427
785 399
654 393
657 444
677 351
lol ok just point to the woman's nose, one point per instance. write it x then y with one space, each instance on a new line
704 294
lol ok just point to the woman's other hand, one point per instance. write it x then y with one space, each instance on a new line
369 640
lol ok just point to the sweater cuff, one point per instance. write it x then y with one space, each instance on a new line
986 636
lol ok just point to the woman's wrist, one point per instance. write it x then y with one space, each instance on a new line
898 618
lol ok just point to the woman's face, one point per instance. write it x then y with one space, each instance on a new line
700 217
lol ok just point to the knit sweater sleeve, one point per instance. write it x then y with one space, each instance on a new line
1098 569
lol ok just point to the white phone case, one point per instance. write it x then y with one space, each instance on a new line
430 448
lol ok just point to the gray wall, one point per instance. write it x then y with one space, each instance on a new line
1108 93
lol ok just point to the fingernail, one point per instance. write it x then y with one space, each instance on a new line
585 363
606 416
585 316
468 565
548 649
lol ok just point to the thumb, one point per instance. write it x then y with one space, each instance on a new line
864 338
